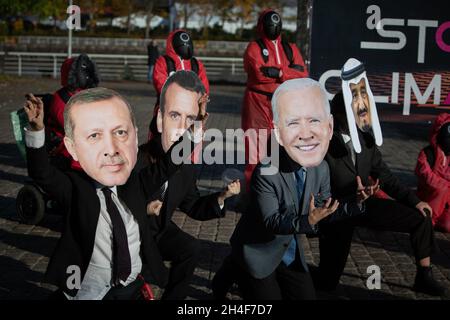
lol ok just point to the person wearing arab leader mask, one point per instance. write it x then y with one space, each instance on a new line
353 157
360 104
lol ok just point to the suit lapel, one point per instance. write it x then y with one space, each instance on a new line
289 179
342 152
310 177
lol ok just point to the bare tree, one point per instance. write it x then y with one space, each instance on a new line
148 11
243 13
206 10
189 7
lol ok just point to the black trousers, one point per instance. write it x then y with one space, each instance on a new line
183 251
285 283
381 214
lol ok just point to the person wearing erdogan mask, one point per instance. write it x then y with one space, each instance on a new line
268 61
179 56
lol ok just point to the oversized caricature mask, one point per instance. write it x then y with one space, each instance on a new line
360 104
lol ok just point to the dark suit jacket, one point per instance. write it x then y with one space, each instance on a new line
76 192
263 233
182 193
369 162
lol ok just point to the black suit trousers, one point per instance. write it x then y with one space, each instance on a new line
183 251
381 214
285 283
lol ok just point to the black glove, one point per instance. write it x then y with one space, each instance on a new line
270 72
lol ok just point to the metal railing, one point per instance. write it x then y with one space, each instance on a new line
113 66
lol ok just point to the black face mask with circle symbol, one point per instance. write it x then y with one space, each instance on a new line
182 44
272 25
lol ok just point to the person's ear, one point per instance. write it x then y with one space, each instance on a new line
159 121
137 138
70 146
276 131
331 127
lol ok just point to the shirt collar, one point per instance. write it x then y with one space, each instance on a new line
99 186
346 137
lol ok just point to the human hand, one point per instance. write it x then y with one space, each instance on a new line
423 207
232 189
318 213
154 207
34 108
365 192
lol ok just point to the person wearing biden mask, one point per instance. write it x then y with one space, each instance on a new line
266 247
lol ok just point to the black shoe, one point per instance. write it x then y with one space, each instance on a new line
425 283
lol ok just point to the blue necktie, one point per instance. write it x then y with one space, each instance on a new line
289 255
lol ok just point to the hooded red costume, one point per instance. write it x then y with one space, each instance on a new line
160 72
256 108
56 113
434 180
76 74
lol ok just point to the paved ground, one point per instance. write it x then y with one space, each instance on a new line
25 249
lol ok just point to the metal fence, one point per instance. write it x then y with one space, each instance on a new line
112 66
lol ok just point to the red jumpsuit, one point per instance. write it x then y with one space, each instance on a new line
434 182
160 71
256 108
55 123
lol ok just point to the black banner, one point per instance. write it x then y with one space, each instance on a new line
405 45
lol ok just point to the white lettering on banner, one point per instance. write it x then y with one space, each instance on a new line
394 90
422 24
374 21
324 78
410 85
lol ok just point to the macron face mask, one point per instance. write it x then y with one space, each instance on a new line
360 106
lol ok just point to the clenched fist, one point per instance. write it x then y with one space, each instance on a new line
154 207
234 188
